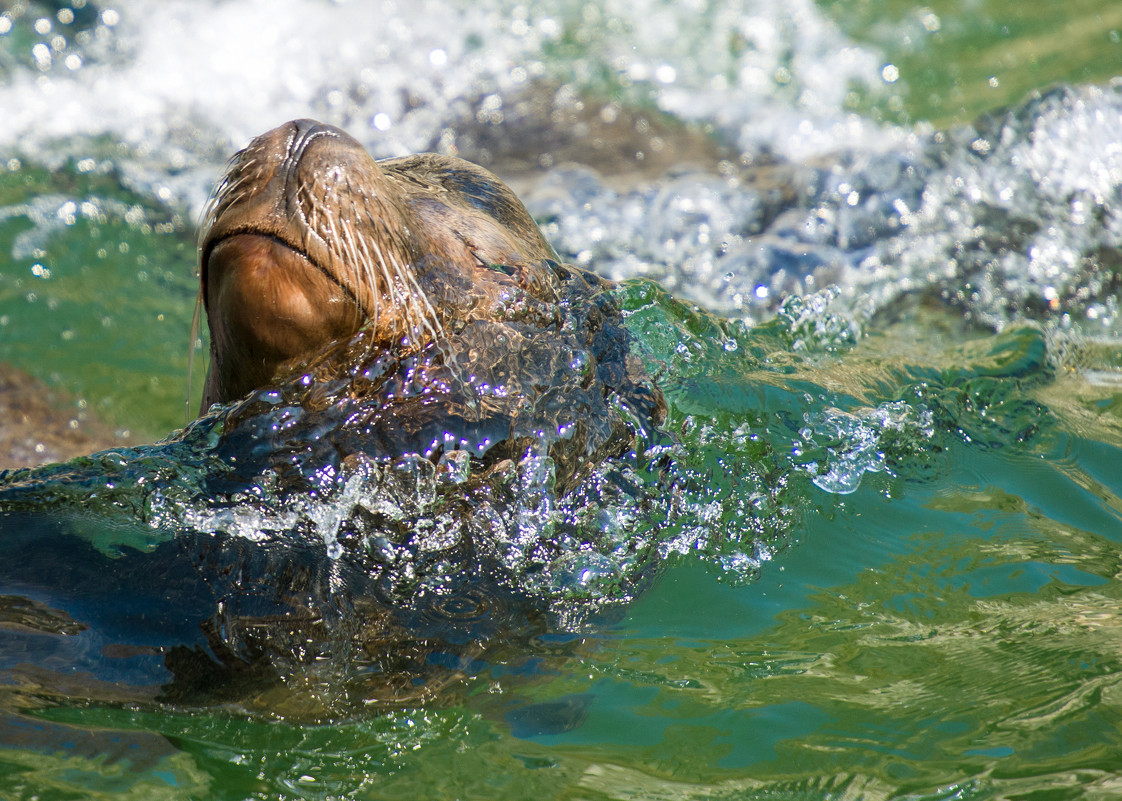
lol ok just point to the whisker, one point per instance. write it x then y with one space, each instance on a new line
196 320
367 274
416 307
352 256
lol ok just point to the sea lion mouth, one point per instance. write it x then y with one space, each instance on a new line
285 256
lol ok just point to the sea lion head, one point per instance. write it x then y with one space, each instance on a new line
307 239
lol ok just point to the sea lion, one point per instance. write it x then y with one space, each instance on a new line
377 326
308 238
430 272
420 414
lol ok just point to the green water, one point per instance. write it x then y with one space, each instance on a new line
950 629
957 60
98 299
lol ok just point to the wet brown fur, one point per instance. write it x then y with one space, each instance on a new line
308 238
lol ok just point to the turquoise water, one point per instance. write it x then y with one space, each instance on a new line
884 564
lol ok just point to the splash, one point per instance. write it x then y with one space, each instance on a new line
838 448
177 83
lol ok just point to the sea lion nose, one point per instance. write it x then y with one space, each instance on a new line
305 132
306 126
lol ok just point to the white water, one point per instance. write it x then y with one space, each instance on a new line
162 92
181 84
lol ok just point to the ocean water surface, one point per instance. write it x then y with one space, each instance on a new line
870 253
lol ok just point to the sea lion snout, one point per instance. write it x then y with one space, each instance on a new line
318 155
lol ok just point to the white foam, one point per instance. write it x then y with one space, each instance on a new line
191 81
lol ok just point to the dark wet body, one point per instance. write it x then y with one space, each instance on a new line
372 324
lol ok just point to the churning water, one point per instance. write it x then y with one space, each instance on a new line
873 553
